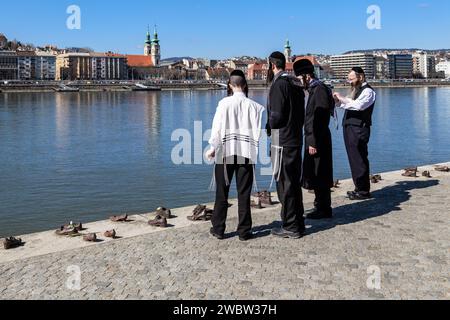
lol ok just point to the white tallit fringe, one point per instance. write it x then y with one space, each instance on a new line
279 161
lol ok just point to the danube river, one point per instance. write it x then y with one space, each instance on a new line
85 156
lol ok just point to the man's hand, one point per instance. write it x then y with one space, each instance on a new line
337 97
211 154
312 151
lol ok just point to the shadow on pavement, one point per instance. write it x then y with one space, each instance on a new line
384 201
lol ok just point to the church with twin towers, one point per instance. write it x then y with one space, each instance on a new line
152 47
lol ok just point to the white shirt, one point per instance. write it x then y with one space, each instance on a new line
364 101
236 127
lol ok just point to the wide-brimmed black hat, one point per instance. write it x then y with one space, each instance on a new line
303 66
358 70
277 56
237 73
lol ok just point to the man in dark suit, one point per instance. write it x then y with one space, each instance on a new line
286 110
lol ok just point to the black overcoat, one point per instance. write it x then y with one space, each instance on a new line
318 169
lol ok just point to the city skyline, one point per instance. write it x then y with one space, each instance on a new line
187 29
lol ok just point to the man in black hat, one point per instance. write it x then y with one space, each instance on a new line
357 126
318 161
286 113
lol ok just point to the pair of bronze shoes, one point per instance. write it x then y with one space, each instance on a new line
159 221
442 168
264 197
375 178
121 218
11 243
164 212
92 237
71 229
426 174
410 172
162 215
201 213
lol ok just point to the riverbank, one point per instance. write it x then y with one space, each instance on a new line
402 231
86 86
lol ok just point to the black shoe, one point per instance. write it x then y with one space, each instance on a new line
360 196
281 233
215 235
351 193
318 215
248 236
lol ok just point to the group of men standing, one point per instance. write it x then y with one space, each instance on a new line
299 111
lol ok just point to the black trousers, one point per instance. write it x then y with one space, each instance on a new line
289 188
244 181
323 200
356 142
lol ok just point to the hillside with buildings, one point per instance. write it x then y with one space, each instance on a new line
24 62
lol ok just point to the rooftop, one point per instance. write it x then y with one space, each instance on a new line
140 61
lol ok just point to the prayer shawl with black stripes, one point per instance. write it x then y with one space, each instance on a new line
236 128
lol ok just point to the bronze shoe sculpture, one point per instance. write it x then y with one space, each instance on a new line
91 237
121 218
164 212
426 174
11 243
110 234
410 172
159 221
67 231
442 168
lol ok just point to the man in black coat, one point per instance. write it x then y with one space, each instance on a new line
286 112
318 161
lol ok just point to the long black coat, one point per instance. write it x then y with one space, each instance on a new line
318 169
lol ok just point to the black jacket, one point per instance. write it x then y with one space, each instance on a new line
286 112
318 169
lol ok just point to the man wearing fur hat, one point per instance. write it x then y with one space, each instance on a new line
318 159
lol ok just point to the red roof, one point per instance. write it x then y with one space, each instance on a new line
258 67
139 61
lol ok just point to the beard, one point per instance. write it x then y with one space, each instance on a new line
355 88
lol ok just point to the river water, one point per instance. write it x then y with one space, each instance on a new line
85 156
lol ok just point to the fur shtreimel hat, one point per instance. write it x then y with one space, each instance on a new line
303 66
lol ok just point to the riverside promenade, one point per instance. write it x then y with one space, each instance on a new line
401 235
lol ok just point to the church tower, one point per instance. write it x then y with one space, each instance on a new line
155 49
148 44
288 51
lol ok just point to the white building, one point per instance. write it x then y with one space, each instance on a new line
424 65
342 64
45 66
444 66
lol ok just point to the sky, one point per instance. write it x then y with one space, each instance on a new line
219 29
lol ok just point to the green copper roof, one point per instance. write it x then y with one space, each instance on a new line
155 36
148 38
288 45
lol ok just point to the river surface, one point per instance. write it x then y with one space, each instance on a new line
84 156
